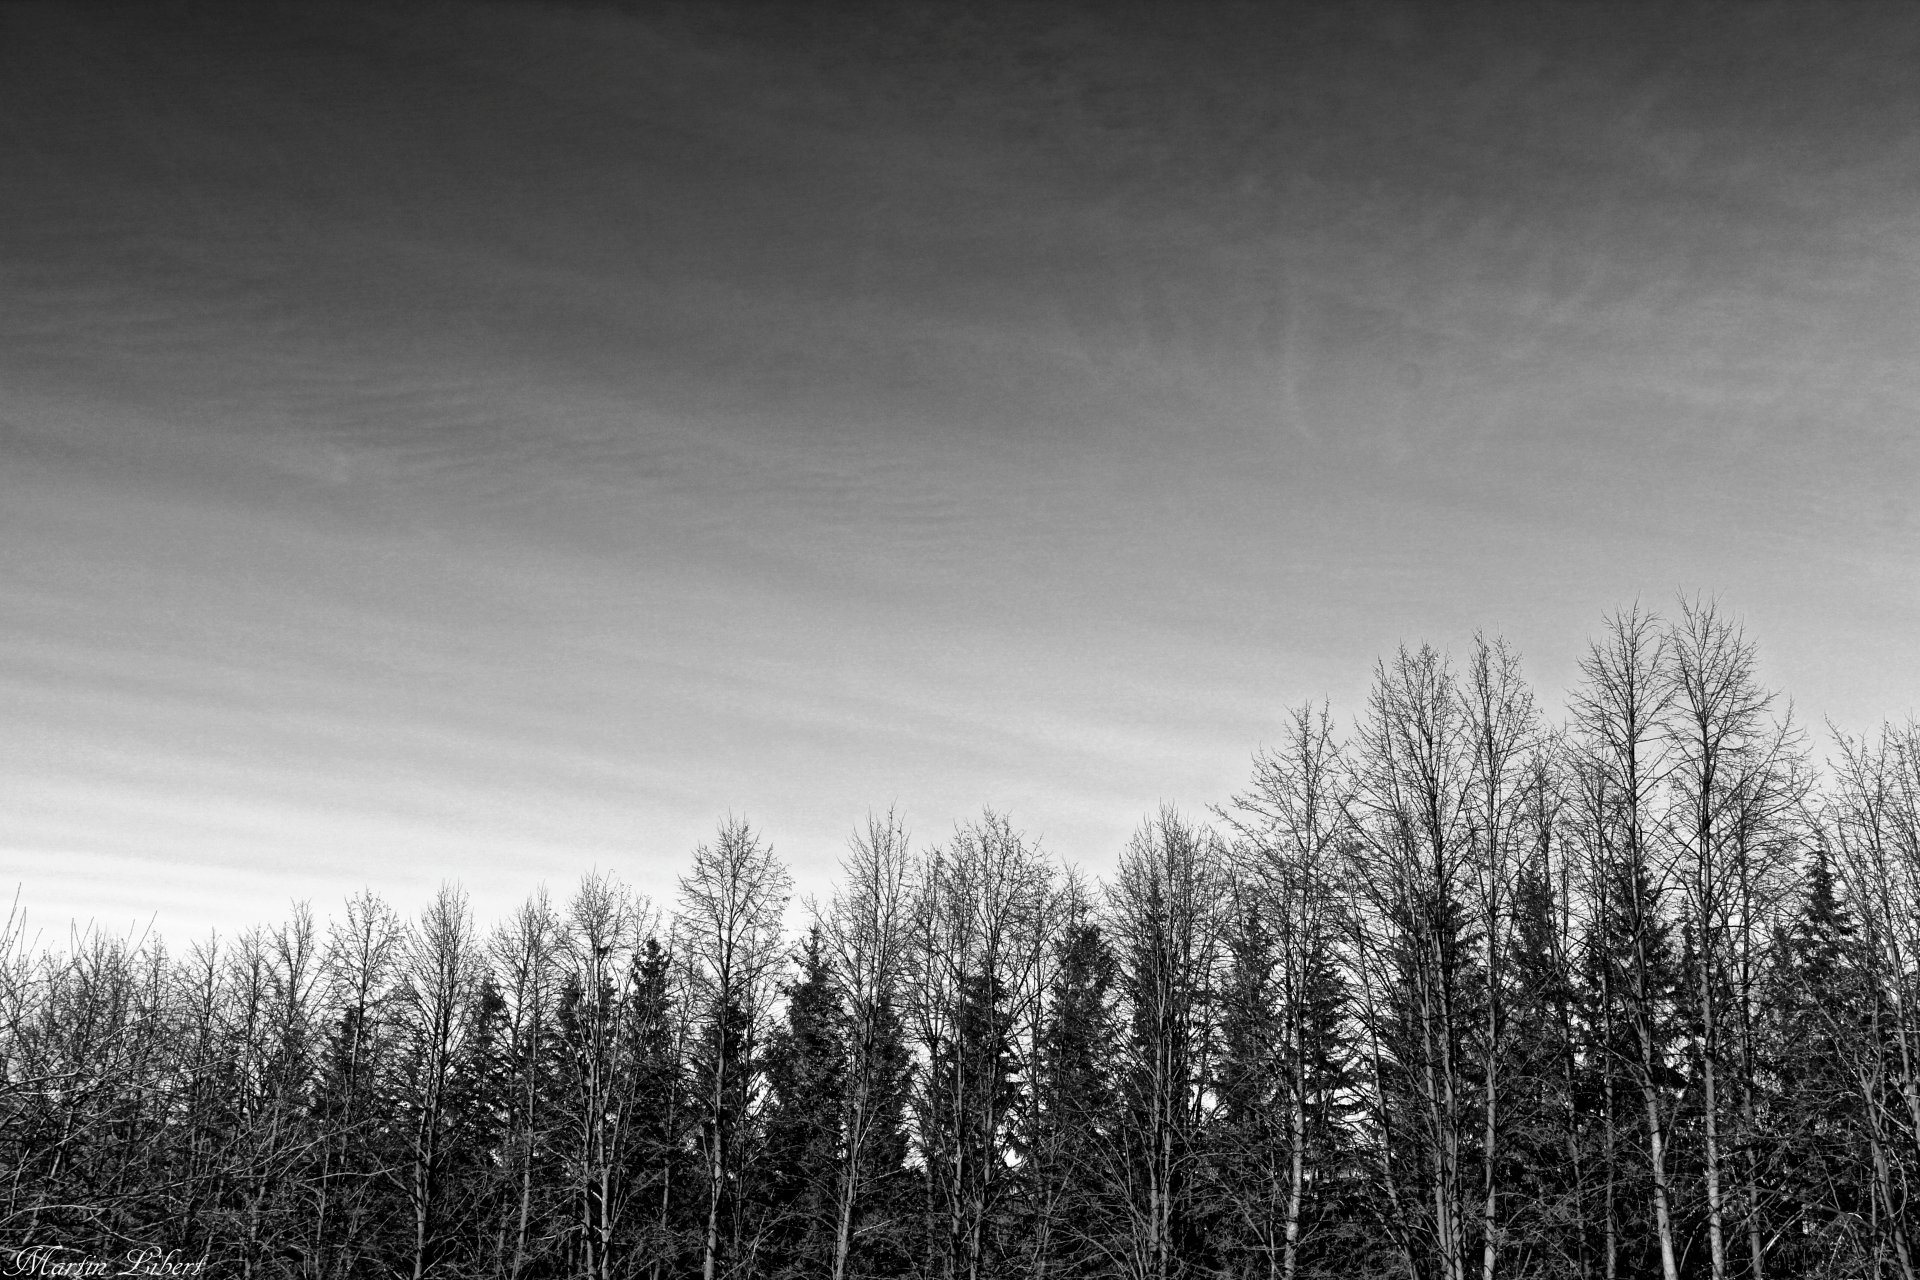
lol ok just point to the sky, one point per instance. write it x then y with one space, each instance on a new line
497 441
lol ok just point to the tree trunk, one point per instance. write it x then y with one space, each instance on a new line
1716 1213
1297 1137
1657 1154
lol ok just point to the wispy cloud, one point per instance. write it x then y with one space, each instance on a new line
548 427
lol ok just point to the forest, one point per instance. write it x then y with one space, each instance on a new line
1452 992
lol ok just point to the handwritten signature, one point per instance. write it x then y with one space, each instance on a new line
57 1260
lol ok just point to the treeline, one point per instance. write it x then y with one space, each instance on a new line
1459 994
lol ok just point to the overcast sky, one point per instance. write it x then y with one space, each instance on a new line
494 441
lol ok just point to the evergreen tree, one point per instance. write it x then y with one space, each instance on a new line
887 1218
1069 1189
1820 1163
662 1167
1251 1141
806 1074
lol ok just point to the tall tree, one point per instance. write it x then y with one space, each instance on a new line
1168 904
356 1204
1293 828
866 930
438 985
1734 786
1619 759
526 958
1417 948
981 931
807 1092
659 1029
1071 1111
1503 731
1875 824
604 925
730 912
1820 1158
1552 1068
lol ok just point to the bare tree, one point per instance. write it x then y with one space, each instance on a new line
525 952
604 923
1168 904
272 975
1619 757
981 929
440 970
730 912
1503 730
1294 825
867 929
1875 820
1735 787
359 975
1067 1113
1414 773
87 1034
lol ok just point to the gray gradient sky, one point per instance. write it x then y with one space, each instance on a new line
495 441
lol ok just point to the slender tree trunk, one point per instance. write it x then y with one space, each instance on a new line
1570 1072
1872 1086
1656 1138
843 1228
526 1205
1884 1192
716 1162
1756 1243
1389 1185
1297 1139
422 1194
1449 1190
1716 1210
1611 1258
1490 1244
1612 1254
857 1124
